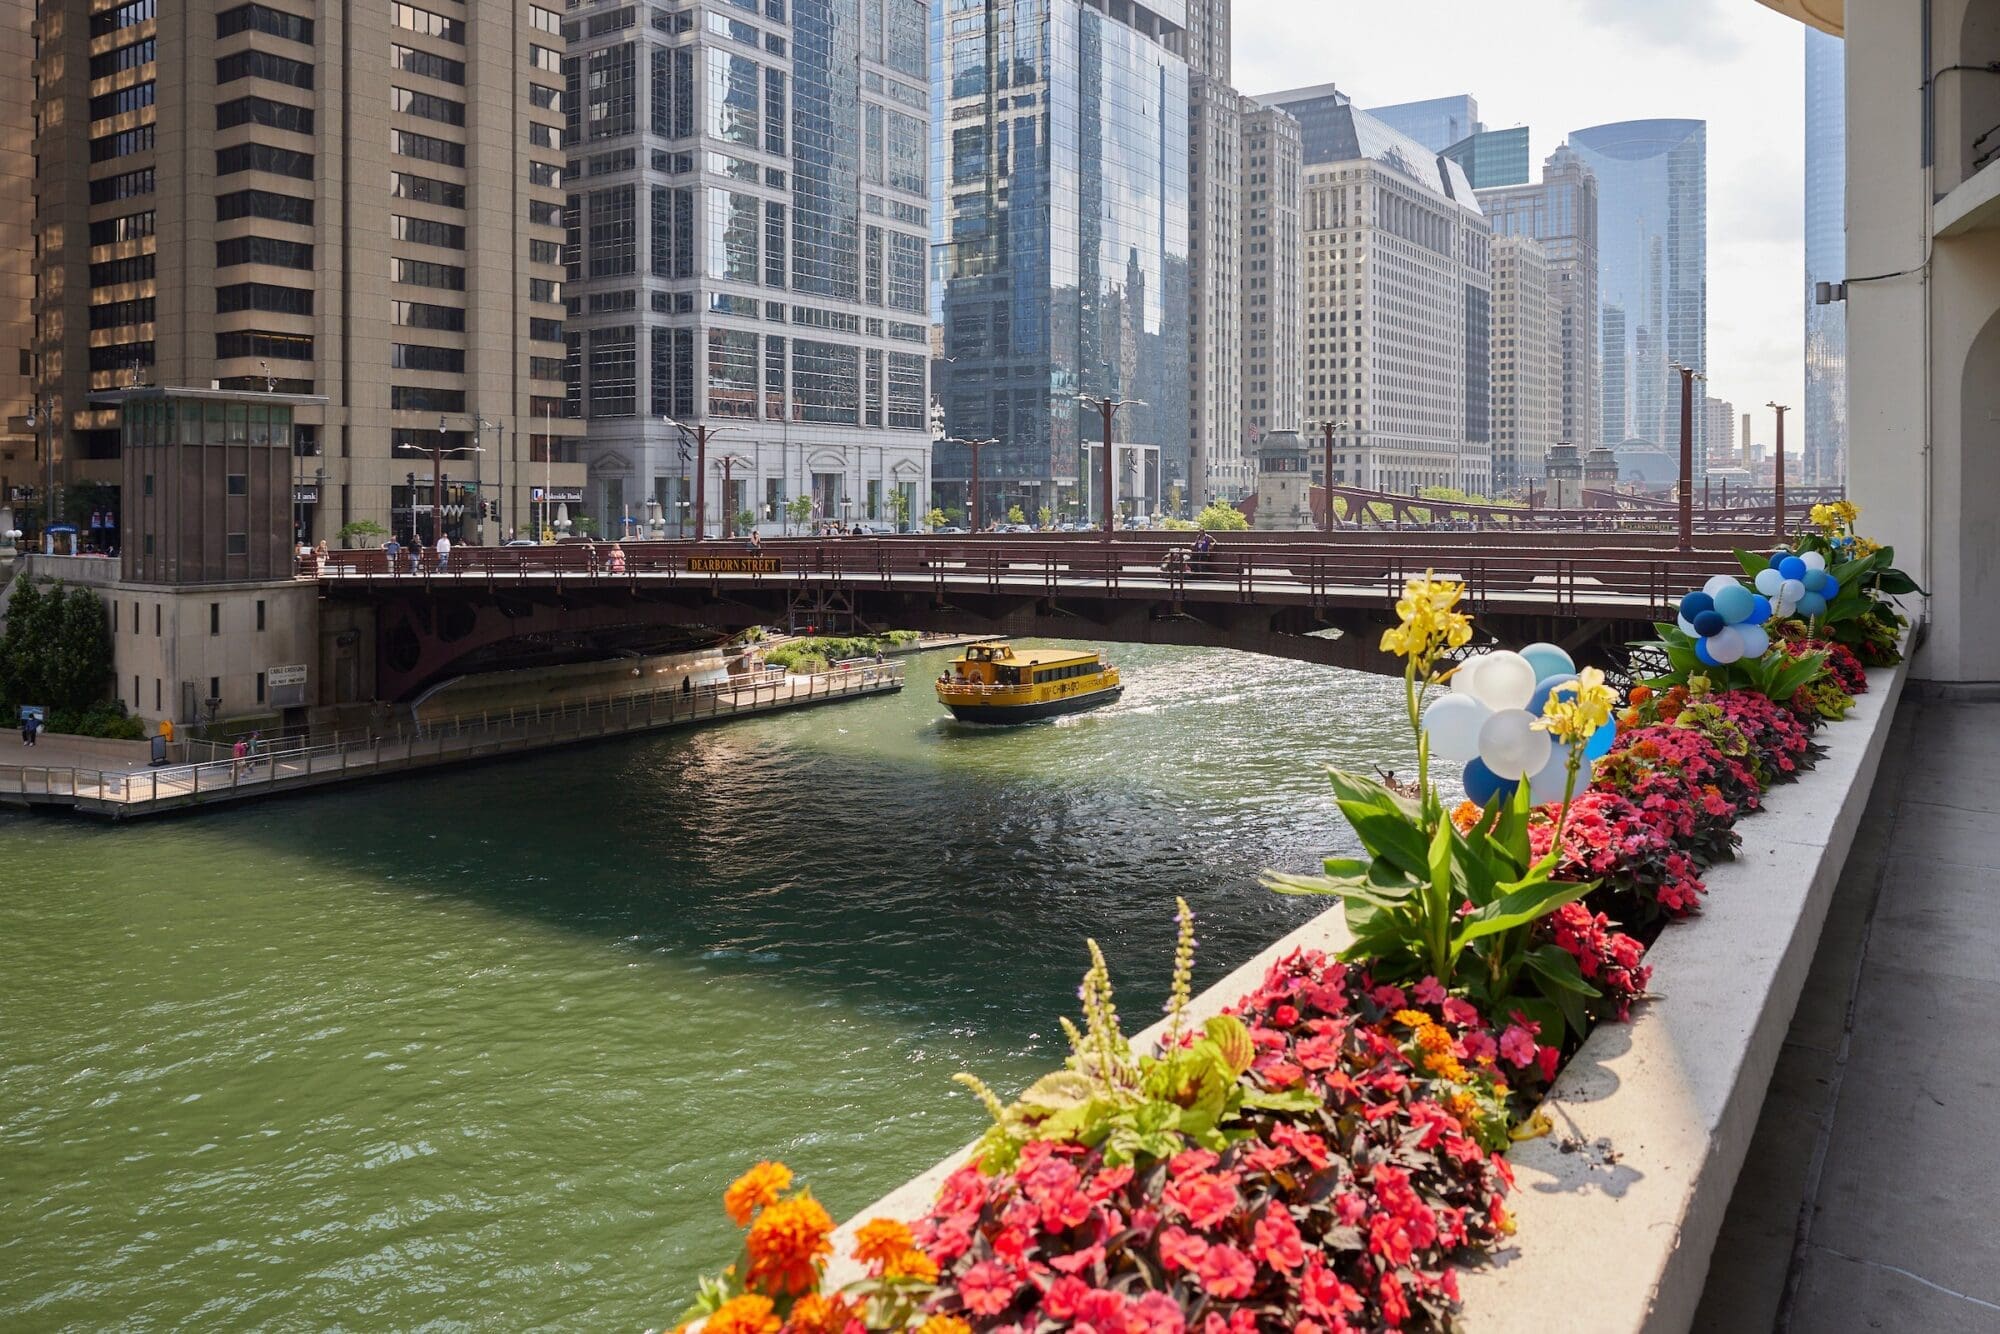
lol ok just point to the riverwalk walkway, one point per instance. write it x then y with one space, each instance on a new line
292 765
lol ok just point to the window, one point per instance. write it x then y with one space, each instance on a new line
545 212
542 58
906 391
735 102
734 223
546 290
425 190
259 18
250 343
111 231
121 58
214 682
238 484
612 232
417 315
263 250
124 143
673 92
415 398
156 606
673 232
237 544
611 92
121 356
543 252
732 373
124 16
774 378
260 675
115 314
411 19
263 157
545 20
673 373
774 111
871 388
545 368
263 204
126 185
112 272
121 100
423 357
906 272
423 273
214 628
428 105
263 111
254 64
544 98
410 60
544 331
424 231
774 243
546 174
264 296
614 371
410 144
544 136
826 382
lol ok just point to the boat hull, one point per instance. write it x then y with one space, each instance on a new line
1028 713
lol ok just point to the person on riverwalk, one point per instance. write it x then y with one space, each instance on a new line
319 557
29 727
237 754
617 560
443 553
756 543
416 554
391 550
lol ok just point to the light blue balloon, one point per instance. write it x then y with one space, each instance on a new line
1546 785
1812 604
1600 742
1756 641
1735 603
1548 660
1543 688
1768 582
1687 626
1815 581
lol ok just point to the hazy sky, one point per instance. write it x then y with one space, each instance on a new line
1561 65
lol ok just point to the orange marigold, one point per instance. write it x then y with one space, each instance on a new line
881 1240
815 1314
1640 694
747 1314
912 1263
786 1243
944 1324
761 1185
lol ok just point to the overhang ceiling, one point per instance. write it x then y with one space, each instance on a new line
1826 15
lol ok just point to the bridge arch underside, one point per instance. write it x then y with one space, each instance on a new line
424 637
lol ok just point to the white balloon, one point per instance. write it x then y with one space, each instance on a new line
1792 590
1687 626
1506 681
1724 646
1453 723
1547 783
1768 581
1462 679
1756 642
1715 582
1813 559
1510 746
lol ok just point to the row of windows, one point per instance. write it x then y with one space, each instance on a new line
412 61
121 356
121 58
112 314
255 343
261 18
263 65
263 204
428 105
427 148
263 250
111 272
542 330
122 100
423 273
423 231
425 190
416 398
411 19
125 185
265 296
122 144
131 227
263 157
124 16
423 357
418 315
263 111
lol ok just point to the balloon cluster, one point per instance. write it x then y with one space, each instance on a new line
1798 583
1488 723
1726 621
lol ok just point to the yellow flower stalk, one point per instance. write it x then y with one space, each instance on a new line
1575 711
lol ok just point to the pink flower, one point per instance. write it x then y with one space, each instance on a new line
1102 1310
1188 1161
1322 1293
1063 1297
1077 1261
1227 1272
1429 992
1205 1199
987 1288
1517 1044
1460 1013
1276 1241
1154 1313
1180 1249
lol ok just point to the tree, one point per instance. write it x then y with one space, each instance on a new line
799 508
954 516
934 520
1218 517
1045 517
364 528
1174 499
1016 515
57 648
746 520
899 503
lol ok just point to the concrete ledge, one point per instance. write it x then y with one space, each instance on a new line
1619 1208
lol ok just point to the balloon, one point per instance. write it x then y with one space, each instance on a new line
1546 784
1463 677
1548 660
1600 742
1812 604
1793 568
1482 784
1687 626
1510 746
1760 610
1453 722
1542 689
1792 591
1755 639
1815 581
1778 557
1694 604
1506 681
1832 589
1735 603
1813 561
1701 653
1710 623
1724 648
1767 582
1717 582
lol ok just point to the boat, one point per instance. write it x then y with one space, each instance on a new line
996 683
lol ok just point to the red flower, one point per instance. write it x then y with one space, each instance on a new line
1155 1313
1180 1249
1064 1297
1103 1310
1323 1294
1227 1272
1189 1161
1206 1199
987 1288
1276 1241
1517 1044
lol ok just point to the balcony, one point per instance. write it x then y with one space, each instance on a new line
1974 205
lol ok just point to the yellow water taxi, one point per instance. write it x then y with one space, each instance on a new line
997 683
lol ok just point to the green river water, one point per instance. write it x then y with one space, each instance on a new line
481 1049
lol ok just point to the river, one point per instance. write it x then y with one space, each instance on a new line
481 1049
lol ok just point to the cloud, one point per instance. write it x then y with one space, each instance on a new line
1699 25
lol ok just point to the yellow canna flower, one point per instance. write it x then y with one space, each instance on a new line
1429 621
1576 709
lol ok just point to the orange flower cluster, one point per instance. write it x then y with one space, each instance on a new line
751 1313
786 1243
1435 1046
887 1248
817 1314
761 1185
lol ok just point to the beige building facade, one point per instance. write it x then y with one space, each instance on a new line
1527 360
1216 180
1273 284
17 247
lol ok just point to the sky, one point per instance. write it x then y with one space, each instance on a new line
1562 65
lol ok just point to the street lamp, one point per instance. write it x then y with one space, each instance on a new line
1688 376
702 433
479 428
972 492
437 453
1778 464
1108 406
1326 482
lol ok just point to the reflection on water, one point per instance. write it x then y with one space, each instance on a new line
482 1048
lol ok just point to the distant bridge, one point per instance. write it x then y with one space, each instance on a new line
1322 598
1747 512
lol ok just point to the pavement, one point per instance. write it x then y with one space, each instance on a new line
1869 1194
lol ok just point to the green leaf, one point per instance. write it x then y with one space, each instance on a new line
1058 1090
1373 888
1558 966
1345 866
1530 903
1752 563
1232 1043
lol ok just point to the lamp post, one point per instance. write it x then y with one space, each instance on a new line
1326 482
1688 376
479 428
1107 407
437 453
42 419
729 462
1778 466
701 432
972 491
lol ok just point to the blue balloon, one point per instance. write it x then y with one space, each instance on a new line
1832 589
1734 603
1791 567
1694 604
1768 580
1812 604
1779 557
1482 784
1710 623
1548 660
1600 742
1760 610
1815 581
1701 651
1544 686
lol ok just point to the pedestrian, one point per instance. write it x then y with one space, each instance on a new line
256 749
756 543
27 729
390 550
237 754
416 555
687 685
319 557
617 558
443 553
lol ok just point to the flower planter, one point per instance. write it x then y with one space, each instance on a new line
1618 1209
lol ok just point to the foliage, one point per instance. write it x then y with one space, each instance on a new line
1174 525
1863 615
1015 514
746 520
817 652
899 505
82 499
1045 517
799 509
934 520
954 517
107 718
1174 498
366 529
57 649
1220 517
1777 674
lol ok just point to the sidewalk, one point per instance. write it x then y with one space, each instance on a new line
1868 1201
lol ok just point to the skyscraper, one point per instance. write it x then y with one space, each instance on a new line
1398 310
368 210
1527 359
1826 258
1561 213
1493 158
1273 278
1652 209
1719 430
1437 123
1215 251
17 245
747 248
1060 216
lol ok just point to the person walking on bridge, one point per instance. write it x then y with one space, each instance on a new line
443 553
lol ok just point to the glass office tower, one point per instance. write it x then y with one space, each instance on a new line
1652 247
1061 202
1826 258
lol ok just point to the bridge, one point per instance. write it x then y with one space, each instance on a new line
1747 512
1321 598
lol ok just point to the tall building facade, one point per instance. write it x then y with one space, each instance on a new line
17 248
1398 279
1719 430
1060 204
367 210
1437 123
1527 360
1826 258
1493 158
748 233
1652 201
1215 254
1561 214
1273 275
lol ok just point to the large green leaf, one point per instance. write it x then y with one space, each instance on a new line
1530 903
1387 827
1558 966
1383 885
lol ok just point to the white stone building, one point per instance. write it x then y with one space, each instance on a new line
1527 360
1273 288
